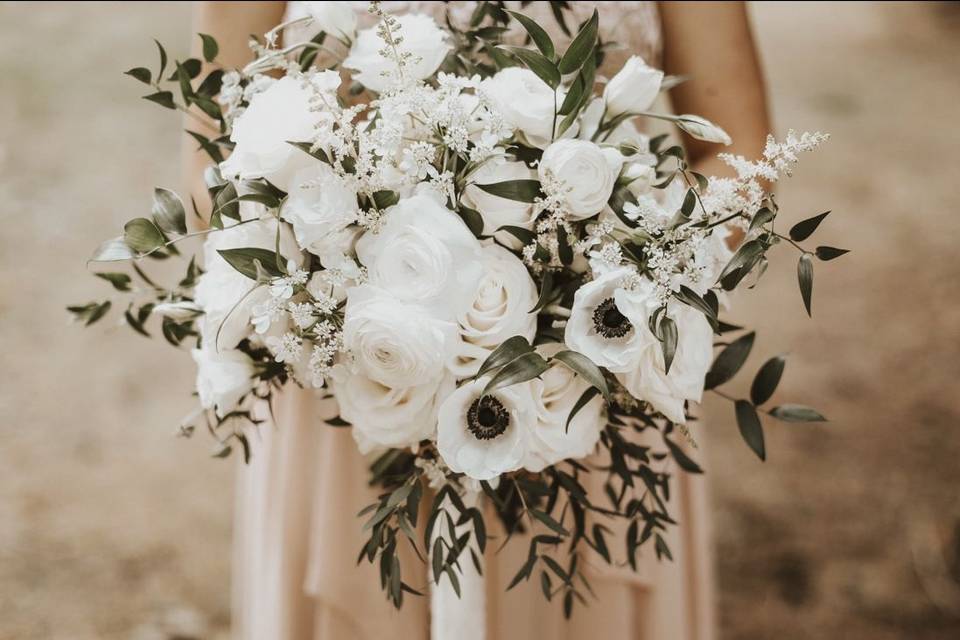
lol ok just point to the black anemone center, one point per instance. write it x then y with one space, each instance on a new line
609 322
487 418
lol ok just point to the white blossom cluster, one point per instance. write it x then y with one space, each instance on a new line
415 233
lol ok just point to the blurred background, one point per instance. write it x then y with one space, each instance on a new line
112 527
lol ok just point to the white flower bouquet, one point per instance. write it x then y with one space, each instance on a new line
499 279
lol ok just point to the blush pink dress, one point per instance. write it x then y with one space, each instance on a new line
297 535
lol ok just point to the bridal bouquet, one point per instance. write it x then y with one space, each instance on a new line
499 279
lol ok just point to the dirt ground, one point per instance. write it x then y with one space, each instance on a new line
111 527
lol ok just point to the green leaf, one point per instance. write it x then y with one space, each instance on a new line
829 253
211 84
510 349
551 524
766 380
245 261
573 98
683 460
113 250
526 367
541 66
182 75
692 298
750 428
473 220
537 34
564 250
546 292
796 413
162 98
120 281
689 202
584 366
210 47
729 361
142 235
805 278
584 400
385 198
805 228
581 46
163 59
520 190
741 263
668 341
306 147
140 73
168 212
90 313
763 216
523 235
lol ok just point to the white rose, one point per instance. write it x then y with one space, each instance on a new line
424 254
496 211
336 18
422 38
223 378
666 392
640 178
525 102
554 395
633 89
587 171
485 439
226 296
500 310
275 117
320 203
392 342
385 416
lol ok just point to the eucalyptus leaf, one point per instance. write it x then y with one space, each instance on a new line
829 253
120 281
526 367
510 349
473 220
210 47
767 379
140 73
805 228
163 58
796 413
544 68
668 341
584 366
576 54
730 360
168 212
537 34
519 190
113 250
750 428
162 98
142 235
589 394
683 460
805 278
245 261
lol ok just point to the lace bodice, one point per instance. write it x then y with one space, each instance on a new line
634 26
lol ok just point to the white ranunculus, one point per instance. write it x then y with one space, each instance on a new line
392 342
554 394
525 102
279 115
384 416
483 440
223 378
587 171
500 310
633 89
336 18
666 392
226 296
422 38
320 203
496 211
424 254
